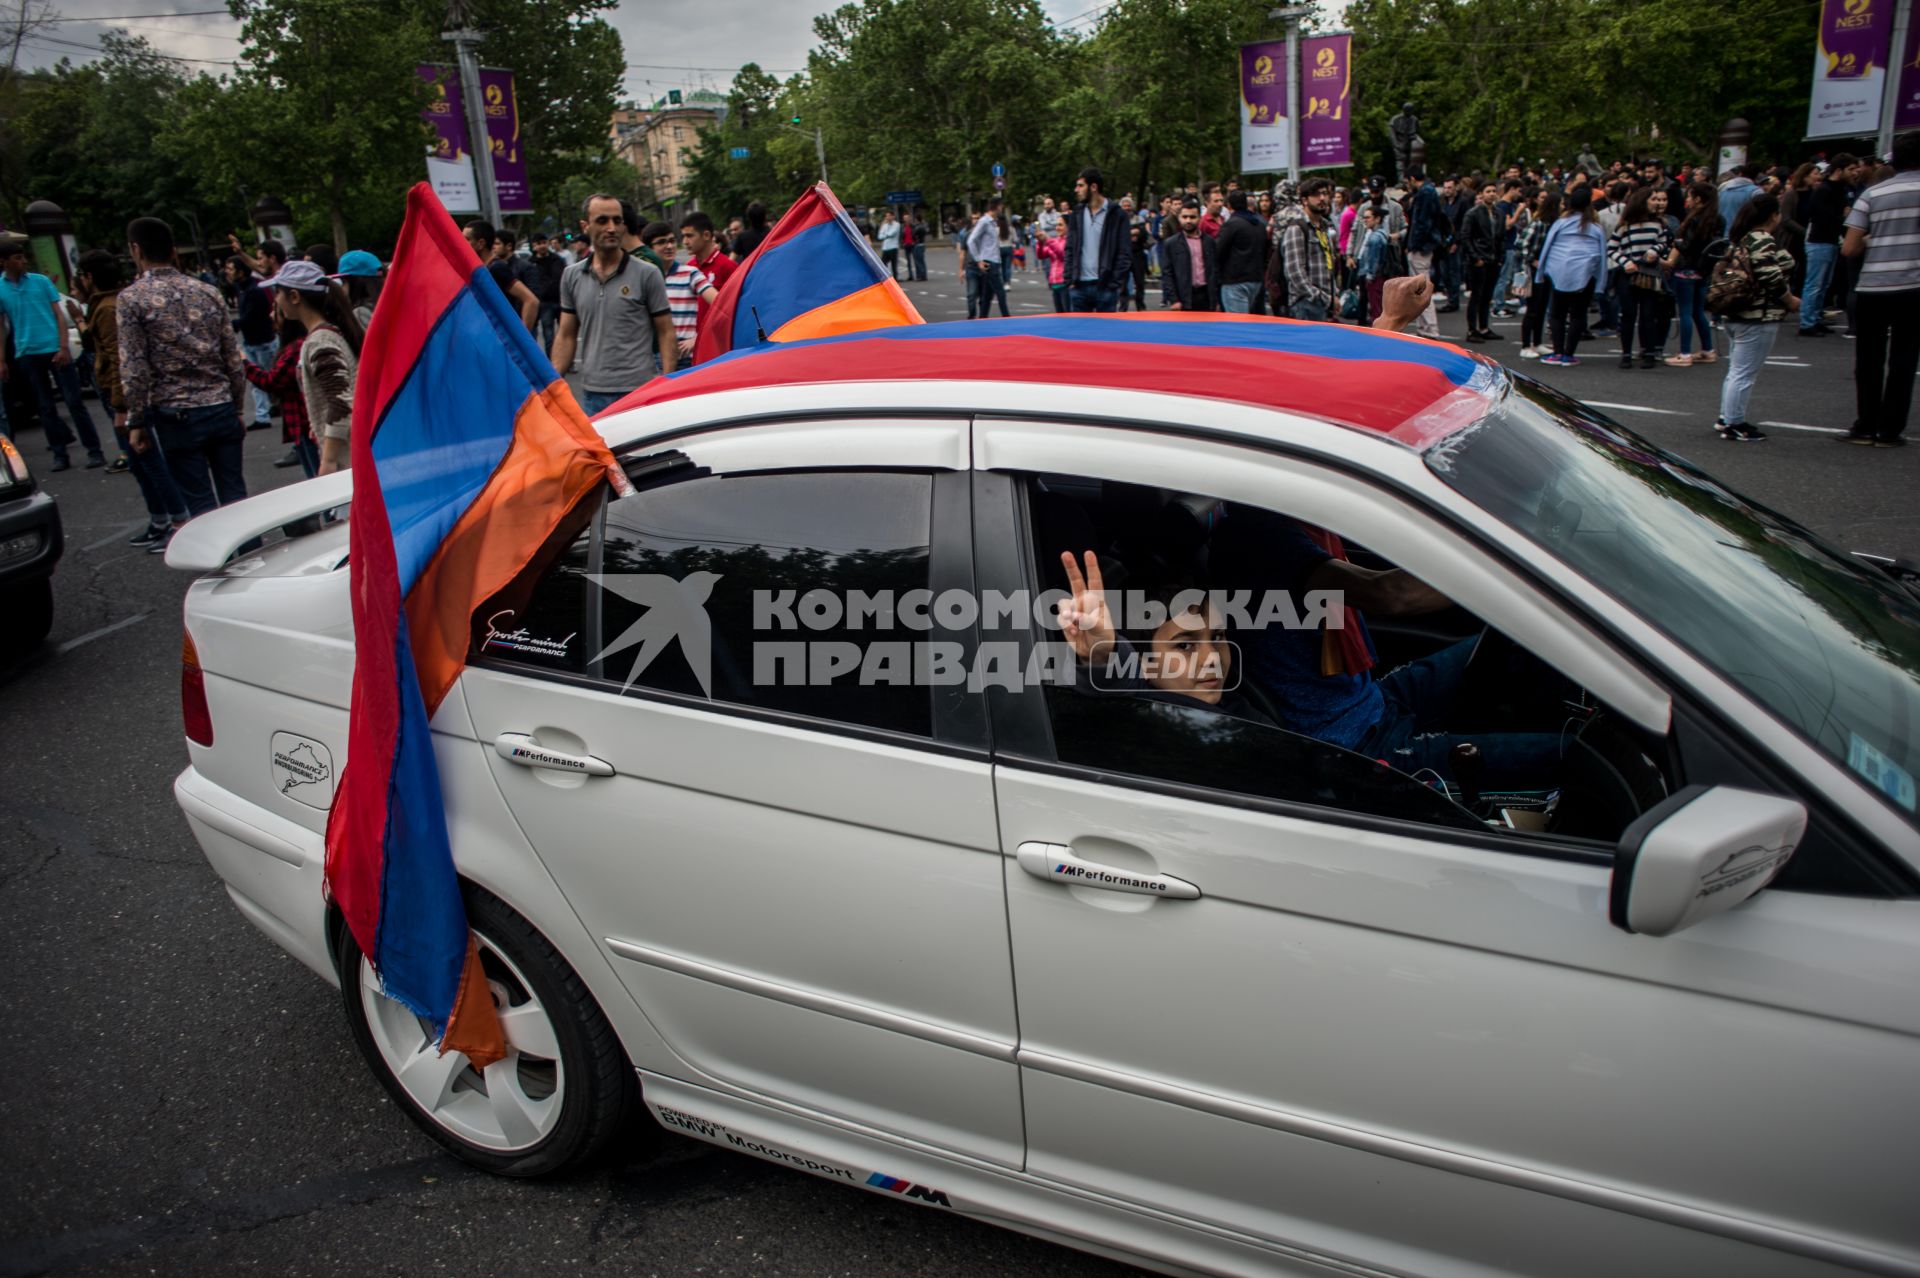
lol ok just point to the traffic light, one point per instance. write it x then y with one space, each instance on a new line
796 119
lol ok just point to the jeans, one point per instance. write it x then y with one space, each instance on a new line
1567 318
1690 304
919 252
1509 263
1307 308
1533 325
1428 325
1885 354
1449 277
205 449
1006 265
988 285
307 449
1747 349
163 500
1237 299
1480 276
37 369
1813 296
593 402
1061 303
548 323
1420 699
262 353
1609 299
1648 310
1091 297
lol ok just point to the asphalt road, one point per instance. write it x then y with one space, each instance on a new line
186 1098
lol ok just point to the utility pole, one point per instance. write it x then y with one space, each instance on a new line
466 44
820 152
1890 96
1292 14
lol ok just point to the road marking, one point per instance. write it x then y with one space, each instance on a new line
1788 363
1639 408
115 535
101 633
1822 430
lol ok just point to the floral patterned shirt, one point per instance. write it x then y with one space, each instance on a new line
177 345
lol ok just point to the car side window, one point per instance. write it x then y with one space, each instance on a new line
1237 649
740 589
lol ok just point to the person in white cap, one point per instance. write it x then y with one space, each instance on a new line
329 358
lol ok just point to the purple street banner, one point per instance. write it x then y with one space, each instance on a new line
503 133
1906 110
1326 67
1850 68
450 162
1266 135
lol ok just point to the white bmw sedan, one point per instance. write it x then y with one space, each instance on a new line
1229 799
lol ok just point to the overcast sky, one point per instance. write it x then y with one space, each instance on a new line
726 34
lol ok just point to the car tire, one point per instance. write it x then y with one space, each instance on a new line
566 1088
29 611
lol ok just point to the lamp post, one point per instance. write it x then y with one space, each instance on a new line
819 144
1292 15
466 46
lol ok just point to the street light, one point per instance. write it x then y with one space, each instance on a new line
1292 15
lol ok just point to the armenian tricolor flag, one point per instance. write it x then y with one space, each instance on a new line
814 275
468 453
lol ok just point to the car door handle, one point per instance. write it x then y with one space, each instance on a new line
1056 863
521 748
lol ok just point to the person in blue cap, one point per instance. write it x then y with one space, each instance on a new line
362 274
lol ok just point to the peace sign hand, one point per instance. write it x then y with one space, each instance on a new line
1083 617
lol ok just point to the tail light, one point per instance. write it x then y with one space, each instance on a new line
193 694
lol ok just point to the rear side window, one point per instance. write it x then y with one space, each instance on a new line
734 589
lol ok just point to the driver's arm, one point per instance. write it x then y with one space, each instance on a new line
1388 592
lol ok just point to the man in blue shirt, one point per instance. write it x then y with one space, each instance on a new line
1099 253
1321 680
32 306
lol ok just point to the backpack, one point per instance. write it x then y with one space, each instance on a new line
1733 286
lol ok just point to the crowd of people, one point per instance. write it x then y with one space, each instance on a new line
184 365
1628 252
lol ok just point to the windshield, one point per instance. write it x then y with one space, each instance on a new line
1829 644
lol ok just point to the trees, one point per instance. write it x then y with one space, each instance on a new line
780 160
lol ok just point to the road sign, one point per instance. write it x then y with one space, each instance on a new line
999 183
999 170
738 153
904 197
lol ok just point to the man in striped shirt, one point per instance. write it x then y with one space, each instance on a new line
687 287
1885 225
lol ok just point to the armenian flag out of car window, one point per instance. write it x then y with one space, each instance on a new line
469 452
814 275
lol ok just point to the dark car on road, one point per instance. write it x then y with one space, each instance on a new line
30 546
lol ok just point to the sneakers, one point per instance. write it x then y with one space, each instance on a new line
1742 433
119 465
1818 330
1559 361
95 461
60 463
1529 352
1603 332
159 545
292 458
1649 360
1706 357
1680 361
1626 359
1857 436
154 532
259 425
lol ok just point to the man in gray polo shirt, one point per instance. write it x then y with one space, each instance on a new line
613 310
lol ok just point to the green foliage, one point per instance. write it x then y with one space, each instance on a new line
83 138
1547 76
780 161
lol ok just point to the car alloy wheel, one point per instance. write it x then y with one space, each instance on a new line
565 1088
512 1104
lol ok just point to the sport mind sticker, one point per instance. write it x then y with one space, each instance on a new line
302 770
716 1133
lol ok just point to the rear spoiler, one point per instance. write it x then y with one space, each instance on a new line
207 541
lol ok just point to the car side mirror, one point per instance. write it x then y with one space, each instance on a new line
1701 851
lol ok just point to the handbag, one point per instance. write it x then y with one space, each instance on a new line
1523 287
